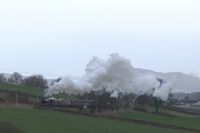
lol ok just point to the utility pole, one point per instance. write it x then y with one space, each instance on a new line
17 97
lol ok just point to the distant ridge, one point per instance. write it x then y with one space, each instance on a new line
180 82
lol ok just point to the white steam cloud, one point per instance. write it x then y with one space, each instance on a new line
114 73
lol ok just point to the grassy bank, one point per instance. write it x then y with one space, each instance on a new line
24 89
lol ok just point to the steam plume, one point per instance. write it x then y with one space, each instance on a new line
114 73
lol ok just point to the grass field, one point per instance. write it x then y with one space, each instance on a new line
190 122
6 127
37 121
24 89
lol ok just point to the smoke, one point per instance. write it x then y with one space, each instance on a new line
114 73
163 91
114 94
146 84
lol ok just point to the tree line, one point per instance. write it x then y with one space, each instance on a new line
32 81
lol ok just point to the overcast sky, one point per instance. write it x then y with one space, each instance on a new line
59 37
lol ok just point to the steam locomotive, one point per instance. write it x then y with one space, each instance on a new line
78 104
81 105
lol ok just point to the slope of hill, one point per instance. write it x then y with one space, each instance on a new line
24 89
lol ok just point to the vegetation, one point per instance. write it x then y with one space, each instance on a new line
35 81
6 127
184 121
2 78
15 78
24 89
38 121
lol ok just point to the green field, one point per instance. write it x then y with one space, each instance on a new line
6 127
24 89
184 121
37 121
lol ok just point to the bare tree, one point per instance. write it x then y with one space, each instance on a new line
36 81
2 78
15 78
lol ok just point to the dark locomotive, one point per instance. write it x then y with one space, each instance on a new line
90 102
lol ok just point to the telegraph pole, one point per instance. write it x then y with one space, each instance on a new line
17 97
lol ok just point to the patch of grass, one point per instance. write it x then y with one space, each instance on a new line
38 121
6 127
24 89
190 122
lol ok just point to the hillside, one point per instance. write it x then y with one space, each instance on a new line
23 89
179 82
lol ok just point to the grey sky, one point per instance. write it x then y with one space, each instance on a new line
60 36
